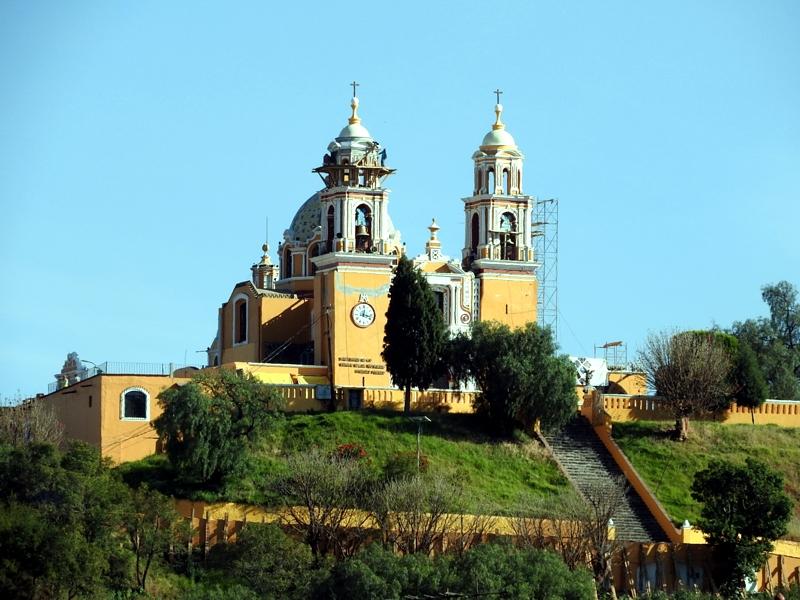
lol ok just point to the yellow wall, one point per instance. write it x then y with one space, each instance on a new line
282 318
427 401
626 382
357 361
509 301
78 408
622 407
101 424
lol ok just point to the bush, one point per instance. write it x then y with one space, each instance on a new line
404 464
501 570
209 423
270 562
350 452
379 573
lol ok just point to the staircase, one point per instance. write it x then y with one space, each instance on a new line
586 462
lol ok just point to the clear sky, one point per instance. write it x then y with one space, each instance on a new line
142 145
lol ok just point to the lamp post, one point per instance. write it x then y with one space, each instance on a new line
419 421
97 369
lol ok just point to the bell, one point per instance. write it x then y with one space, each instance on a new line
361 230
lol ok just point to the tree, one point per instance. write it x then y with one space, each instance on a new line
746 384
577 528
497 570
209 423
776 341
60 522
270 562
319 493
415 333
689 372
784 311
33 421
750 387
521 380
744 510
415 513
153 526
773 357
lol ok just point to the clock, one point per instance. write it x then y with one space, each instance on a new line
363 314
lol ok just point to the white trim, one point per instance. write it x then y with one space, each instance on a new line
122 416
234 300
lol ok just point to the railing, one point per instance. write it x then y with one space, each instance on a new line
123 368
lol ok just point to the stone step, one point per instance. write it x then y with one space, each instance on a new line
587 463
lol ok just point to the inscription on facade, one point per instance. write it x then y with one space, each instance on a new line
361 365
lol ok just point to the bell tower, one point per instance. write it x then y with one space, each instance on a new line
497 235
354 202
353 269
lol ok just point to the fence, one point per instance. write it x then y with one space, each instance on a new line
636 567
622 407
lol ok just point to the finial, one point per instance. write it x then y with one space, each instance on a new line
354 105
433 228
265 248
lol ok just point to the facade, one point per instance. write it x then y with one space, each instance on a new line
325 303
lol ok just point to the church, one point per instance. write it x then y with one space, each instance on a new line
313 324
325 303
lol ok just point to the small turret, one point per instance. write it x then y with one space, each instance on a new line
433 247
264 272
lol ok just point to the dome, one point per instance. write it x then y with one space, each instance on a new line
306 220
353 130
498 137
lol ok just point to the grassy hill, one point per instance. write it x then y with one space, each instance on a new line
668 467
497 476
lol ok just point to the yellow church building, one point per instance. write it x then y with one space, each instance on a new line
314 324
325 304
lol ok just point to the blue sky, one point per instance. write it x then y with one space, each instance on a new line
142 145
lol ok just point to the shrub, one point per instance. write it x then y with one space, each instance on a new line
404 464
270 562
350 452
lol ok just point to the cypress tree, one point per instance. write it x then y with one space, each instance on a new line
415 334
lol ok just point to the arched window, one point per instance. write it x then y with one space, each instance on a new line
363 228
508 237
506 182
476 227
490 188
240 319
519 181
478 181
134 404
330 228
286 263
313 251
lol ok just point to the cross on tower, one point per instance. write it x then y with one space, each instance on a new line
497 93
355 85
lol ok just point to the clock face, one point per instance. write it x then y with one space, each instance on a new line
363 314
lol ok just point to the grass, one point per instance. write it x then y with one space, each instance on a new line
669 467
498 475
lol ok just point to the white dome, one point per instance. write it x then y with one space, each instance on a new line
353 130
498 137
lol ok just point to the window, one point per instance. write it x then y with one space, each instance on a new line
287 263
506 182
490 182
363 228
135 405
475 233
330 228
508 237
239 319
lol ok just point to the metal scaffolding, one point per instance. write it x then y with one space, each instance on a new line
545 244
